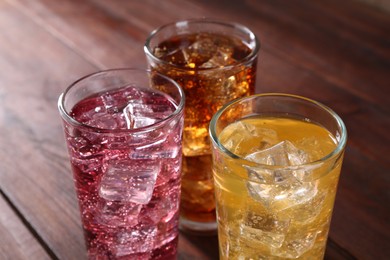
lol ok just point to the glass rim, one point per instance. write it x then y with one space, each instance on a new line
69 119
342 139
246 60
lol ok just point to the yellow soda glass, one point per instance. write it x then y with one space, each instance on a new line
276 164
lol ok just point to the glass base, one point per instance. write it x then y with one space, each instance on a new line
198 228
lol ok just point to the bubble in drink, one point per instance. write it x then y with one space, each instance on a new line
286 208
197 61
127 183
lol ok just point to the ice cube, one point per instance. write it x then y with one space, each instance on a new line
171 170
153 150
292 194
115 101
261 192
110 103
162 52
82 148
263 237
195 140
116 214
107 112
163 208
306 211
135 241
243 133
130 141
295 245
279 189
221 88
281 154
138 115
200 51
103 120
222 52
282 196
266 221
264 228
178 57
222 57
129 181
77 142
87 165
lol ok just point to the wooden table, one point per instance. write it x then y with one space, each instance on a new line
337 52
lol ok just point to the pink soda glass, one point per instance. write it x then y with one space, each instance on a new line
123 131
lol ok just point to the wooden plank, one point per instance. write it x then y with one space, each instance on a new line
34 173
101 38
360 220
16 241
148 12
339 50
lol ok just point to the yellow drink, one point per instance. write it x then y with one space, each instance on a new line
274 197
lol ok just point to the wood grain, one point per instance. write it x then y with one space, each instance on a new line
16 241
35 175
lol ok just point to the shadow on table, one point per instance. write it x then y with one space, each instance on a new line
335 252
206 245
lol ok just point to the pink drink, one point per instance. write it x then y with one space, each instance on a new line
127 181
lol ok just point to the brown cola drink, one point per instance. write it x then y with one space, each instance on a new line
214 63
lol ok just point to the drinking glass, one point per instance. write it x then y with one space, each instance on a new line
123 130
276 164
214 62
